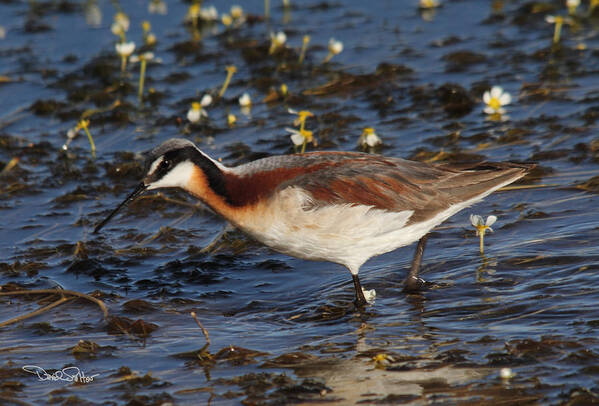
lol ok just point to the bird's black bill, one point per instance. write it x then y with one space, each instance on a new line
138 190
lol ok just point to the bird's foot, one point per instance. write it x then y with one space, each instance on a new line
413 284
366 298
369 295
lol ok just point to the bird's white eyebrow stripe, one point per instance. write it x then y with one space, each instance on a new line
155 164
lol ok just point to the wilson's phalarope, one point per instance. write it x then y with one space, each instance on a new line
342 207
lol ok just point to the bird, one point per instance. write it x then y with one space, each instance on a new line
335 206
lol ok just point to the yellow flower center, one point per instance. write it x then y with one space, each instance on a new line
196 106
494 103
82 124
307 135
481 228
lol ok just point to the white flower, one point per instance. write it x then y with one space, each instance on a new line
335 47
506 373
301 136
279 38
157 7
206 100
125 49
369 138
276 41
481 225
495 100
296 137
572 3
196 112
429 3
146 56
245 100
209 13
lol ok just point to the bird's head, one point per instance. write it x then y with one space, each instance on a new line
170 165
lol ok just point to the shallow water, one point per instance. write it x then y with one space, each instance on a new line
284 330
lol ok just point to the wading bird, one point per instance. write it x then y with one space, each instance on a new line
342 207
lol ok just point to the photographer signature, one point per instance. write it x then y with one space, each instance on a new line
69 374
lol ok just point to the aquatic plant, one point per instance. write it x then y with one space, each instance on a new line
193 13
209 14
369 138
305 42
245 100
231 119
197 110
226 19
559 21
481 227
143 61
124 50
231 69
235 18
506 373
495 99
302 136
149 39
120 25
428 4
277 41
82 124
335 48
572 5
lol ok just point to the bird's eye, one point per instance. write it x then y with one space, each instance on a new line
164 165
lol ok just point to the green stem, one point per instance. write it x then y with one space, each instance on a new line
304 146
225 84
482 249
91 141
328 57
142 75
557 33
267 9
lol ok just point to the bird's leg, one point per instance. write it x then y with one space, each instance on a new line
360 299
413 282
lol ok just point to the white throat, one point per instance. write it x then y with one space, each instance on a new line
179 176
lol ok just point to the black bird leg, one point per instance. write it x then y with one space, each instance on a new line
360 299
413 283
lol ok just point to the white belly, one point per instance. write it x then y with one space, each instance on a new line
344 234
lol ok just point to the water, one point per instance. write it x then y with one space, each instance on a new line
284 330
